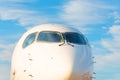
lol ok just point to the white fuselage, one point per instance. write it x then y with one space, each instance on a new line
50 61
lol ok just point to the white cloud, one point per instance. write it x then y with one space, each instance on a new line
107 55
84 12
24 17
4 72
112 45
116 17
115 31
6 51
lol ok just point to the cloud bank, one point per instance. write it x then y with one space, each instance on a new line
109 63
81 12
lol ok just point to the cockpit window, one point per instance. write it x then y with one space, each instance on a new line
75 38
29 40
50 36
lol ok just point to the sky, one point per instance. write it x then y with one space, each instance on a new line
98 20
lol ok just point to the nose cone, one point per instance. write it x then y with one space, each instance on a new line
54 62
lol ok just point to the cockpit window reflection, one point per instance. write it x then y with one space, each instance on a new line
50 36
75 38
29 40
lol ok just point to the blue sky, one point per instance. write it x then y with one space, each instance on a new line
99 20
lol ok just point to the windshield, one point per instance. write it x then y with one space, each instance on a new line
29 40
50 36
75 38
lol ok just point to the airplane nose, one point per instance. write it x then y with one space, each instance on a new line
52 63
60 63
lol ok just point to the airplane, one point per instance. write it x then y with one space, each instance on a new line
52 52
